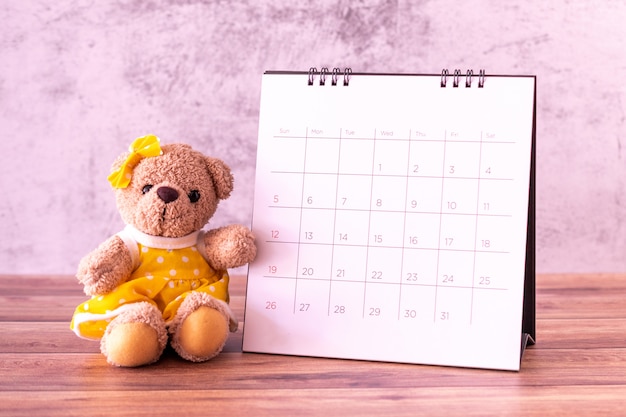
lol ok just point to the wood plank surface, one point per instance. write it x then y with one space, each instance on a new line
577 367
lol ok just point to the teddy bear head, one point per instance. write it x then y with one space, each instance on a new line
172 192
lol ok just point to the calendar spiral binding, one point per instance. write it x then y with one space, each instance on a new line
336 73
456 77
334 76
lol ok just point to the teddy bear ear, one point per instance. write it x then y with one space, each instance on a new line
221 175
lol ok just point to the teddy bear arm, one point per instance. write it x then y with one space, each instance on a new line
229 246
106 267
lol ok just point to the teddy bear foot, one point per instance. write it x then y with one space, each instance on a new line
136 337
202 329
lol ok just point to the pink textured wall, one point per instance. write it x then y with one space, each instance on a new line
80 79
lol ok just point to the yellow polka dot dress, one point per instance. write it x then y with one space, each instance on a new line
165 275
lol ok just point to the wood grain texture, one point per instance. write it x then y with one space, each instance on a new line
577 367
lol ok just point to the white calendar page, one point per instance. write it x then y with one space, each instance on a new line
391 219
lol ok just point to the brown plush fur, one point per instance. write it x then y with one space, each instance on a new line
184 170
138 336
228 246
105 268
199 337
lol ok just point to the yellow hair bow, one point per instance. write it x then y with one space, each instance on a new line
143 147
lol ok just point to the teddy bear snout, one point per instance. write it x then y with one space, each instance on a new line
167 194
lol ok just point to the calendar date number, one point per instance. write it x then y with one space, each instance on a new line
375 311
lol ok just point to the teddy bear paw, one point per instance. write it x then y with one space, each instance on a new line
201 330
136 337
230 246
105 268
202 335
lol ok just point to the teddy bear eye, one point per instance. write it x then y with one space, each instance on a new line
194 196
146 188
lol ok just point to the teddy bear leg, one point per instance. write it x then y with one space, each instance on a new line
136 337
200 329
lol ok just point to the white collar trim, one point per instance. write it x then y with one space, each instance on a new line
160 242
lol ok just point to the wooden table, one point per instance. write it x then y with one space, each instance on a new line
577 367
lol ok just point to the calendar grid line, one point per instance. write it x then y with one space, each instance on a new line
295 294
391 175
384 247
480 155
386 283
397 139
389 211
332 256
443 168
406 192
369 225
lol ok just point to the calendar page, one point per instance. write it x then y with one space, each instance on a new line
391 218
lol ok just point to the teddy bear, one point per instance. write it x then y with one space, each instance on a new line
163 278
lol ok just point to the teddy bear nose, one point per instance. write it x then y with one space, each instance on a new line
167 194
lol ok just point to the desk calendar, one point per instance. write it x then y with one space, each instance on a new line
394 217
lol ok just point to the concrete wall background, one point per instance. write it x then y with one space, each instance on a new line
79 79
